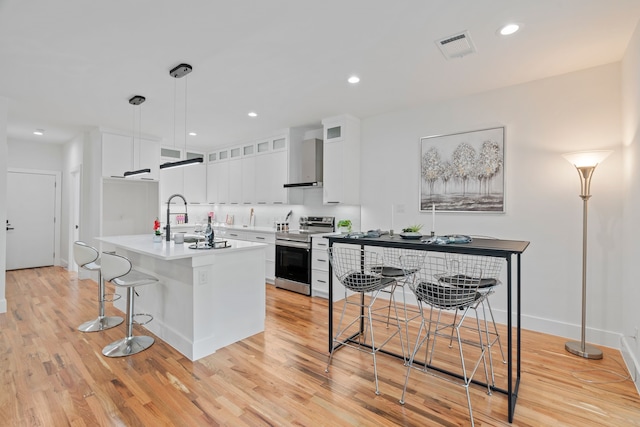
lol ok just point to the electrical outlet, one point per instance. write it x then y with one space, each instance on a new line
202 277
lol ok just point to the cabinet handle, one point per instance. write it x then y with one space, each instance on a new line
260 238
321 244
321 281
262 203
234 235
333 202
321 260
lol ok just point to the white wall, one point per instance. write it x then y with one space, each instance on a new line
631 140
71 161
4 107
22 155
543 119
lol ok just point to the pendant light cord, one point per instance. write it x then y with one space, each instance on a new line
186 94
175 107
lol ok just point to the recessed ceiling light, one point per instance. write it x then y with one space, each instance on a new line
509 29
253 114
354 79
193 134
38 132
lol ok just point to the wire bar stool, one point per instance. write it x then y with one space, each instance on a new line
359 272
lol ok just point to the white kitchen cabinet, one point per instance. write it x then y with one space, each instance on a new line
341 169
235 175
248 173
222 176
320 271
271 171
255 236
121 153
212 179
195 180
172 179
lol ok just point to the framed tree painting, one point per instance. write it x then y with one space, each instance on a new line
463 172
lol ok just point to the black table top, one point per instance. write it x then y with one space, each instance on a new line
478 246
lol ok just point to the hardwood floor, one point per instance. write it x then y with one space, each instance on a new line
53 375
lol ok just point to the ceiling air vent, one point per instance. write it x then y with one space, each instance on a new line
456 46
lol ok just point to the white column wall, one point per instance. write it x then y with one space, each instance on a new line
631 140
71 160
543 119
4 108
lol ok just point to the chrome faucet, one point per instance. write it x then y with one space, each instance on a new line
186 216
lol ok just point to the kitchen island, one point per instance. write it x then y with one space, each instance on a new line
205 299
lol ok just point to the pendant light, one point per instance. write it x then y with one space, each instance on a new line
177 73
136 101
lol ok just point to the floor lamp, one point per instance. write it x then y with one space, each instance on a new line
585 162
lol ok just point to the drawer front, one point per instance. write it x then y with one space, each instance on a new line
235 235
319 260
320 243
261 238
320 283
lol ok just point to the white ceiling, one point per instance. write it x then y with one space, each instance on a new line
71 65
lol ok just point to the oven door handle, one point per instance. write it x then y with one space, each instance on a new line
293 244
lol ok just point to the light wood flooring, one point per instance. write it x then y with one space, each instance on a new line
53 375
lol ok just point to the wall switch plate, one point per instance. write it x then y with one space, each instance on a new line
203 277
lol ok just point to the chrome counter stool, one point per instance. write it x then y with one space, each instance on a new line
359 272
117 270
87 257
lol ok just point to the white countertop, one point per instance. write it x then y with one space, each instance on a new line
144 244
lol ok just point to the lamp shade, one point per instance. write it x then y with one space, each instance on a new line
587 158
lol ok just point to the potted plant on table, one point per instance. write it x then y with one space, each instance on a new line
344 226
411 232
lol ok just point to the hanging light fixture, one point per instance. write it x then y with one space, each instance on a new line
135 101
177 73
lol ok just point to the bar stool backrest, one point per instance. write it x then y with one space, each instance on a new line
84 254
114 266
356 269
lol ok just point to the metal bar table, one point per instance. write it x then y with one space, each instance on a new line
506 249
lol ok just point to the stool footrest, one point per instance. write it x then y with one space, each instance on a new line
111 297
150 318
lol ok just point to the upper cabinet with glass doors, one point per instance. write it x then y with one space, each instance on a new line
341 157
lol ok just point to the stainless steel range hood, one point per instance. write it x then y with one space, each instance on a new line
311 165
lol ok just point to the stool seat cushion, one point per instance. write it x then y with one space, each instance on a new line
363 282
134 278
445 297
389 271
464 280
92 266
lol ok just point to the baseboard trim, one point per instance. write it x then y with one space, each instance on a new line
629 359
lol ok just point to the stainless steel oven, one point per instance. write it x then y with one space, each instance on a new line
293 253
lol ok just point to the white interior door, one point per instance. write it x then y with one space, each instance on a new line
31 199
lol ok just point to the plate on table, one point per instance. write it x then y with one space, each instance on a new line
411 235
